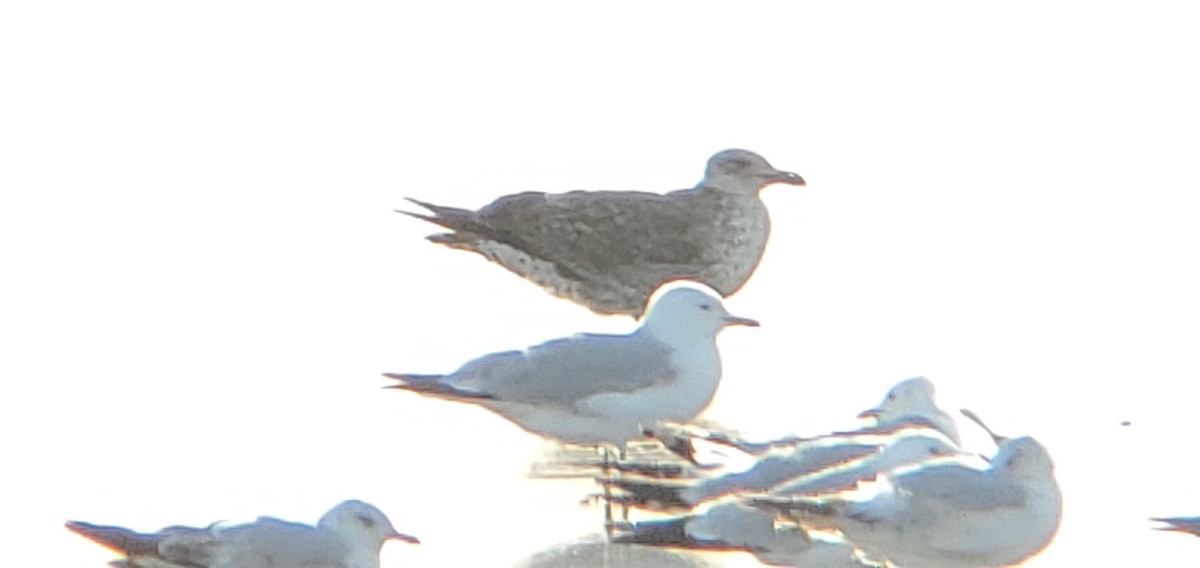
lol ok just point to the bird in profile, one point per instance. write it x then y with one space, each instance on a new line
609 250
598 389
348 536
914 398
948 515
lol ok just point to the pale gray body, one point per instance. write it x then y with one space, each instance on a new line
600 389
609 250
349 536
949 515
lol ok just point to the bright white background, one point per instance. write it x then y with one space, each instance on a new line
203 276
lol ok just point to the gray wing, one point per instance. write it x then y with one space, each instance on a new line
566 371
773 470
197 548
602 231
961 488
271 542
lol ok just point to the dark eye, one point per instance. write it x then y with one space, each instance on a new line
366 521
706 307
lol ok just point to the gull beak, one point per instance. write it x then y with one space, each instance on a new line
788 178
404 537
870 413
734 320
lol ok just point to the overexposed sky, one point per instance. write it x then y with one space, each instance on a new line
203 276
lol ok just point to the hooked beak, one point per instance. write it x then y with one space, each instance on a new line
734 320
404 537
788 178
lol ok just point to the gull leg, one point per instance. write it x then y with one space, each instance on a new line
608 516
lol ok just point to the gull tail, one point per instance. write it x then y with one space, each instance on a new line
432 385
452 218
654 496
117 539
669 532
1189 525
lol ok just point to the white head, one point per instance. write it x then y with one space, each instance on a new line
1023 458
744 172
362 523
689 312
912 400
912 396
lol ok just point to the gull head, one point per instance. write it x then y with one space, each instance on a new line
912 396
918 448
1023 458
362 523
744 172
689 311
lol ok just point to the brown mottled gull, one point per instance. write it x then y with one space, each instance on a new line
609 250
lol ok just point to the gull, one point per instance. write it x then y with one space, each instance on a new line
909 428
609 250
823 465
598 389
349 536
899 452
1180 524
914 397
949 515
736 526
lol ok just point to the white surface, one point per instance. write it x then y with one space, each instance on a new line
203 276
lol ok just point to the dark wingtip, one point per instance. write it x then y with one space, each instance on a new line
670 532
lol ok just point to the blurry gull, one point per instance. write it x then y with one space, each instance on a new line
909 428
600 389
1180 524
349 536
899 452
609 250
735 526
949 515
914 397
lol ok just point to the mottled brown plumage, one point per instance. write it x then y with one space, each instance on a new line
609 250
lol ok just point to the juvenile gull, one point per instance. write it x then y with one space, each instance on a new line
349 536
609 250
600 389
949 515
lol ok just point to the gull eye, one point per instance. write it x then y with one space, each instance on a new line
706 307
366 521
